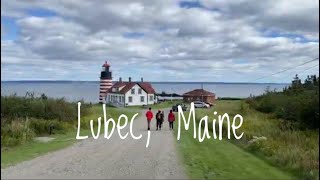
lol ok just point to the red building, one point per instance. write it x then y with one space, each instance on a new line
199 95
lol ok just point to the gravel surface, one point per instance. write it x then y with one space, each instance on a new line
114 158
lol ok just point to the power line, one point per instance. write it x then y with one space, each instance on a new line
308 68
302 71
287 69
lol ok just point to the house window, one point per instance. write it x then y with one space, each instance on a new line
141 98
151 98
130 99
140 91
132 91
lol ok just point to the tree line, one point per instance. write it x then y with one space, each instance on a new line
298 102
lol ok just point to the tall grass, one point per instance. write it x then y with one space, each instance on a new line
39 107
22 118
287 147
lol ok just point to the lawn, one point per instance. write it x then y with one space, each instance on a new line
32 149
161 105
286 154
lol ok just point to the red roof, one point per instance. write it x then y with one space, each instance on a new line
199 92
147 87
119 84
106 64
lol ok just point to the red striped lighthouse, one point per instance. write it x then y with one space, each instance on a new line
105 81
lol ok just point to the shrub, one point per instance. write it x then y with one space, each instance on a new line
298 103
41 126
22 118
40 107
15 132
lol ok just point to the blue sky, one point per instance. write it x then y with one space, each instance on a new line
224 41
11 29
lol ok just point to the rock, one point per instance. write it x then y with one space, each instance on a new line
256 139
44 139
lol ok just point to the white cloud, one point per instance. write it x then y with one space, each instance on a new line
171 43
292 16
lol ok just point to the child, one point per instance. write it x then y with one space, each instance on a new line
171 119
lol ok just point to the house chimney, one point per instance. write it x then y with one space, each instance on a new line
120 79
142 79
129 79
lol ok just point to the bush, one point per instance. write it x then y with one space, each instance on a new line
42 127
22 118
15 132
298 103
40 107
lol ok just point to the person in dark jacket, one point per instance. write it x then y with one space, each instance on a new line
171 119
162 119
158 117
149 116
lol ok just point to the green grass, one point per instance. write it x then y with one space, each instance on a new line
32 149
292 149
214 159
162 105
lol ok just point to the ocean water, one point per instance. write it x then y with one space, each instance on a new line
89 90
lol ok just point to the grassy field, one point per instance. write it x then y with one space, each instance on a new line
214 159
32 149
286 154
162 105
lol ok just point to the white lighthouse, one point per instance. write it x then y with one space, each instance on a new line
105 81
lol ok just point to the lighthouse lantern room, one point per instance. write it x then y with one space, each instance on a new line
105 81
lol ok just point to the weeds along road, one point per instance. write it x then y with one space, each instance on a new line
113 158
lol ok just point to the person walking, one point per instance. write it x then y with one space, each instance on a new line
149 116
171 119
158 117
162 118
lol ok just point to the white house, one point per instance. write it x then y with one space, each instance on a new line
131 94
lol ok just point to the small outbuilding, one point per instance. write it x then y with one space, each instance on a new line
199 95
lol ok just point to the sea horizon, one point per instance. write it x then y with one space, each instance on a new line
89 90
155 82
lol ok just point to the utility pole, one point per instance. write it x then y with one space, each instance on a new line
202 92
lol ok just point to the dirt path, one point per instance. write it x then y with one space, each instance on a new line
113 158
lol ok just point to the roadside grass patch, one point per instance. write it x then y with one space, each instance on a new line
292 150
32 148
215 159
161 105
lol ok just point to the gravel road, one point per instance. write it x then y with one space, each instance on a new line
109 159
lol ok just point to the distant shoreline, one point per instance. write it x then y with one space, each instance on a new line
153 82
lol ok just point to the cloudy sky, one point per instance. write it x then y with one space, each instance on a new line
167 40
